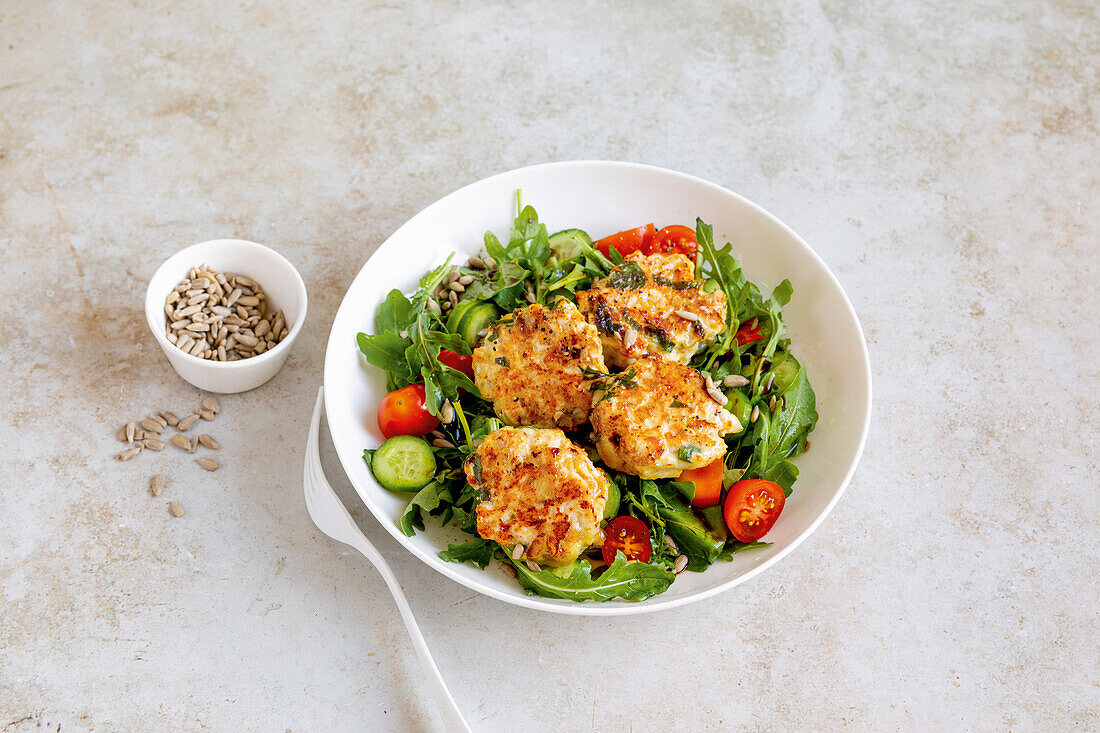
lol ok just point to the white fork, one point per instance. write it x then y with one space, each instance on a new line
332 518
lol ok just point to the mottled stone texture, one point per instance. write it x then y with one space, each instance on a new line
941 156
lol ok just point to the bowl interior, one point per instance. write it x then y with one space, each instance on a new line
602 198
281 282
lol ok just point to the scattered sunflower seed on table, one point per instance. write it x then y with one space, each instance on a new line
221 316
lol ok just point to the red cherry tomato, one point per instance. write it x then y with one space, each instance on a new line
751 508
403 412
460 362
628 241
708 483
749 332
676 238
628 535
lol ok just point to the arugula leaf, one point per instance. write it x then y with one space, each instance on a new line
782 434
394 314
429 498
735 546
478 552
387 352
629 581
700 536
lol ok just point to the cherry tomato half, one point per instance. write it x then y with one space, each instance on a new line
751 508
708 483
628 241
628 535
460 362
677 239
749 332
403 412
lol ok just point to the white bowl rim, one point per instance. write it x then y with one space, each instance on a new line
655 603
251 361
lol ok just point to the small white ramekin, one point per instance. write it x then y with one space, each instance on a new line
280 281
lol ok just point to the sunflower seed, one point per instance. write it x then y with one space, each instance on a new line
207 463
247 300
247 340
209 442
131 428
189 310
180 441
755 413
771 404
172 297
465 279
490 263
198 348
130 453
735 380
442 443
768 386
233 297
517 551
160 420
152 425
508 569
447 412
533 566
687 315
434 305
207 415
680 564
193 445
476 262
121 434
262 327
453 297
211 403
483 333
175 509
169 418
717 396
153 444
185 423
140 434
457 287
629 337
198 327
156 483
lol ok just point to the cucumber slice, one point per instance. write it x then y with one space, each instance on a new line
454 320
480 316
611 508
566 244
403 463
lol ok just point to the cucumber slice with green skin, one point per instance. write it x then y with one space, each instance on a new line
454 320
480 316
566 244
611 508
403 463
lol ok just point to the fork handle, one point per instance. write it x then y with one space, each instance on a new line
453 721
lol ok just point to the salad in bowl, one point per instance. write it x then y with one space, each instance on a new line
597 416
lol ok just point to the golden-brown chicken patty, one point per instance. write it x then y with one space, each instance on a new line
543 492
532 366
656 419
652 304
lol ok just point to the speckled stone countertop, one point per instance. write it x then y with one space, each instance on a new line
941 157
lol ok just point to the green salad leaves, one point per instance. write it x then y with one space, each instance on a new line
774 400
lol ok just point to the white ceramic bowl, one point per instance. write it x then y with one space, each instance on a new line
280 281
603 198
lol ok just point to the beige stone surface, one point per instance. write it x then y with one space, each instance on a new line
942 157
